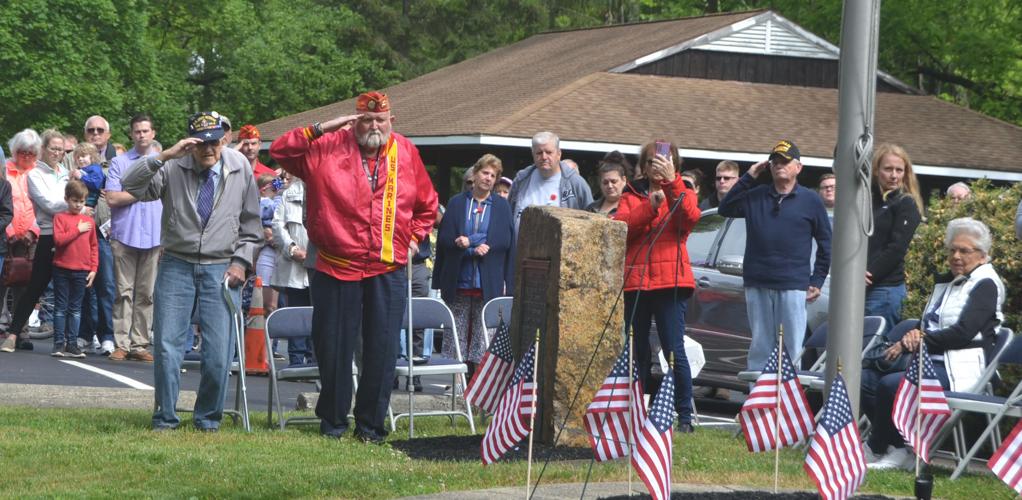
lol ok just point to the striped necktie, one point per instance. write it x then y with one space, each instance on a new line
205 203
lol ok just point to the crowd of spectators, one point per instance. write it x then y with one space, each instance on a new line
135 254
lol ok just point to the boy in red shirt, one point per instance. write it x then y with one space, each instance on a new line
75 259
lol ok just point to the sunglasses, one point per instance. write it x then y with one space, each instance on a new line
95 130
723 178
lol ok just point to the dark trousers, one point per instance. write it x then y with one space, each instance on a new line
299 349
343 311
42 271
878 391
668 307
68 291
98 306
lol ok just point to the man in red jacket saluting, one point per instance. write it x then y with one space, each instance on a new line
369 203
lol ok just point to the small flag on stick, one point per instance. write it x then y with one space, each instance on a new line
495 370
760 410
925 395
607 417
511 421
835 460
654 452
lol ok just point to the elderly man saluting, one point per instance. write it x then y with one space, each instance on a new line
781 221
369 202
211 230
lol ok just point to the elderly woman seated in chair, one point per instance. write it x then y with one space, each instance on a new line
965 307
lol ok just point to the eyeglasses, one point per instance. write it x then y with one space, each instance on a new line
27 153
55 150
725 178
964 252
69 151
209 144
827 188
95 130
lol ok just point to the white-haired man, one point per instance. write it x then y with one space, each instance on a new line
959 192
547 181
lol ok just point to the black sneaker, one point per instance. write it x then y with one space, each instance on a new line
71 350
25 345
57 351
685 428
368 437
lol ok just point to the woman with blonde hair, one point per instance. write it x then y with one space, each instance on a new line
897 211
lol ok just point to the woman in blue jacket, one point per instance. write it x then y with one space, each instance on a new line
473 257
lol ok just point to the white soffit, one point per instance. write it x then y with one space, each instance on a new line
769 37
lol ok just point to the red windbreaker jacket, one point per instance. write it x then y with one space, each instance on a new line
359 232
667 265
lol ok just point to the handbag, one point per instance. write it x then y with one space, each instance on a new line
874 358
17 269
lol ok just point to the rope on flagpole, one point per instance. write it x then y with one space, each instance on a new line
631 395
532 414
777 412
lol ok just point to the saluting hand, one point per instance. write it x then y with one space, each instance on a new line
755 169
338 123
179 150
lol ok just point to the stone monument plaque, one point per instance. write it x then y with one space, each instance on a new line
569 269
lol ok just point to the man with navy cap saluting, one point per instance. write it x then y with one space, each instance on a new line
210 232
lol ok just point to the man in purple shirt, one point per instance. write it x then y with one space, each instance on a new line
135 239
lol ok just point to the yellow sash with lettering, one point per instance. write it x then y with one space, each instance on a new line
389 205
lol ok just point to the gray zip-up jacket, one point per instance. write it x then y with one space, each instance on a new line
234 231
575 192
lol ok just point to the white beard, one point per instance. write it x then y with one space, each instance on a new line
372 139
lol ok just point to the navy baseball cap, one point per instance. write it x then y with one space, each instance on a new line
787 150
207 126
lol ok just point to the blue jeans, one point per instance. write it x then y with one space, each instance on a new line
878 391
68 291
767 309
885 301
668 307
180 287
98 306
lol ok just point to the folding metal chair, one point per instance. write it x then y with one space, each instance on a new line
291 323
492 311
981 400
424 312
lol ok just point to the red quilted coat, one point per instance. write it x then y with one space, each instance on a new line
667 266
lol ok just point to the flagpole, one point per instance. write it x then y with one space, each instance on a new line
532 415
919 399
777 412
631 406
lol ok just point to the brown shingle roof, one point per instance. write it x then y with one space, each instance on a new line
473 95
751 117
558 81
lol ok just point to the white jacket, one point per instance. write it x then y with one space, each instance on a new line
288 228
46 190
964 366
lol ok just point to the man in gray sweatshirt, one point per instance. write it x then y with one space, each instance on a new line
211 230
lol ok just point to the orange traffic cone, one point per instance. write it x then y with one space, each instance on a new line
256 360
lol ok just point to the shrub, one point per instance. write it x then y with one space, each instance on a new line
993 205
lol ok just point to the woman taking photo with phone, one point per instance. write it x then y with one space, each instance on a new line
660 211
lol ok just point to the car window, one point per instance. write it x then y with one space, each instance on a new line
733 243
700 241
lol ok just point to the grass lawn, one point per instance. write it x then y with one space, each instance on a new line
111 453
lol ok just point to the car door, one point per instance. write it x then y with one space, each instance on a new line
717 316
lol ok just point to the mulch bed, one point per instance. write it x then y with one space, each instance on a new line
746 495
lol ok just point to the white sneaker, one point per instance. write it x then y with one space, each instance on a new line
870 457
81 343
106 348
96 346
898 458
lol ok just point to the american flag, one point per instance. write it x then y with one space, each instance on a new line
607 416
835 459
653 454
510 422
931 404
494 372
1007 461
758 415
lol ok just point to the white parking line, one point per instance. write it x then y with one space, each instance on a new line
134 384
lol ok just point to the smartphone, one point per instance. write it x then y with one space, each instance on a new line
663 149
